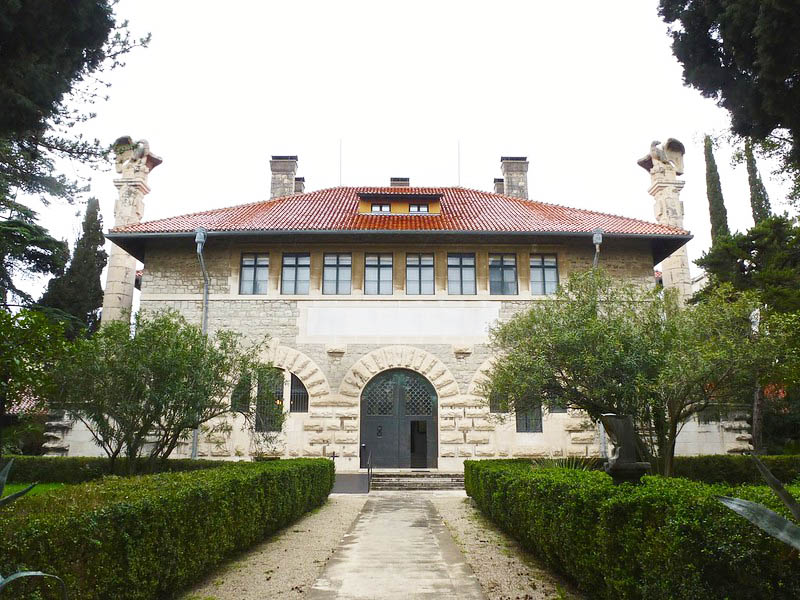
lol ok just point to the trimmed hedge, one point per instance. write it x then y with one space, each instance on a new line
735 470
79 469
666 539
142 538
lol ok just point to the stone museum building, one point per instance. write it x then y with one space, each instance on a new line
378 303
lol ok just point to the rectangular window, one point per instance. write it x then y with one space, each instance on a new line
296 273
254 274
419 274
381 208
418 208
544 274
503 274
336 273
529 419
378 274
461 274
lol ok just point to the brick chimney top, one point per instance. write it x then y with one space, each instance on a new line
399 182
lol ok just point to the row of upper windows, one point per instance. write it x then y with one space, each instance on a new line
528 418
386 208
379 269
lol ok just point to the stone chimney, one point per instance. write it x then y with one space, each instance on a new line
284 169
515 175
499 185
299 185
399 182
133 162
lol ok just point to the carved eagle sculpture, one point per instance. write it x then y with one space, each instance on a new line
670 153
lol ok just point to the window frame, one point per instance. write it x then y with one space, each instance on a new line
380 267
256 256
298 395
503 267
338 267
296 266
382 208
417 208
544 268
529 420
420 267
461 268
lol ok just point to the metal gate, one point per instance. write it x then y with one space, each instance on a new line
399 420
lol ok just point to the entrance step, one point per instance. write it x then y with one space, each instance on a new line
417 480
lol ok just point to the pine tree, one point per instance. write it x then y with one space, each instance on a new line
759 200
716 204
77 296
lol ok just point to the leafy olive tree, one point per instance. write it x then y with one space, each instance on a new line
142 392
607 347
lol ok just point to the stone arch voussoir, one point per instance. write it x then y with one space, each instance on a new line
301 365
403 357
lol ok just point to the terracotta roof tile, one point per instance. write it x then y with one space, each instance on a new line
336 209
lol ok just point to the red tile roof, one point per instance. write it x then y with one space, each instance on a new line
336 209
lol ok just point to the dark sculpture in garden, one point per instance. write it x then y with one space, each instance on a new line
622 465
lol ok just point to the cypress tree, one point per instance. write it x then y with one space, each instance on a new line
716 204
77 295
759 200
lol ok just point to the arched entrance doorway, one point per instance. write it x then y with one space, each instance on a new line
399 420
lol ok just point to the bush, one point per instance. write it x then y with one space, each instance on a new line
665 539
146 537
735 470
79 469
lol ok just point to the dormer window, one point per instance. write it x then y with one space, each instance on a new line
381 208
418 208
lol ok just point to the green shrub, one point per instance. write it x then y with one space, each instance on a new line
148 537
665 539
79 469
735 470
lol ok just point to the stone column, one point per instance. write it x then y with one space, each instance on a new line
134 163
666 188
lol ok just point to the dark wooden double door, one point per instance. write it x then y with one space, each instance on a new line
399 421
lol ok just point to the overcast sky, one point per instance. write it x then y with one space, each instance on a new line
580 87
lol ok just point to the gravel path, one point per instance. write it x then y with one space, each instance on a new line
503 568
286 565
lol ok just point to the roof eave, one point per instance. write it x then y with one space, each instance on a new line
133 242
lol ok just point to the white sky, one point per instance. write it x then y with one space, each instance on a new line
580 87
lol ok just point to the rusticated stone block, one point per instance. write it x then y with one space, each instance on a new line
311 451
484 451
350 452
446 413
347 414
582 438
477 437
351 425
451 437
333 425
502 451
319 439
342 438
483 425
464 424
447 425
312 427
465 451
447 452
531 452
476 411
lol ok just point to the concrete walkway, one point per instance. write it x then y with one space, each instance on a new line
398 547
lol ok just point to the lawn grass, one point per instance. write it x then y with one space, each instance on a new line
40 488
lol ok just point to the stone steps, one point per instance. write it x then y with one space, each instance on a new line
417 481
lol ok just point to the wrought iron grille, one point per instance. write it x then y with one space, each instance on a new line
299 396
379 396
383 394
419 397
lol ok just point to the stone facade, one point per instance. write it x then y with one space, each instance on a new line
443 337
